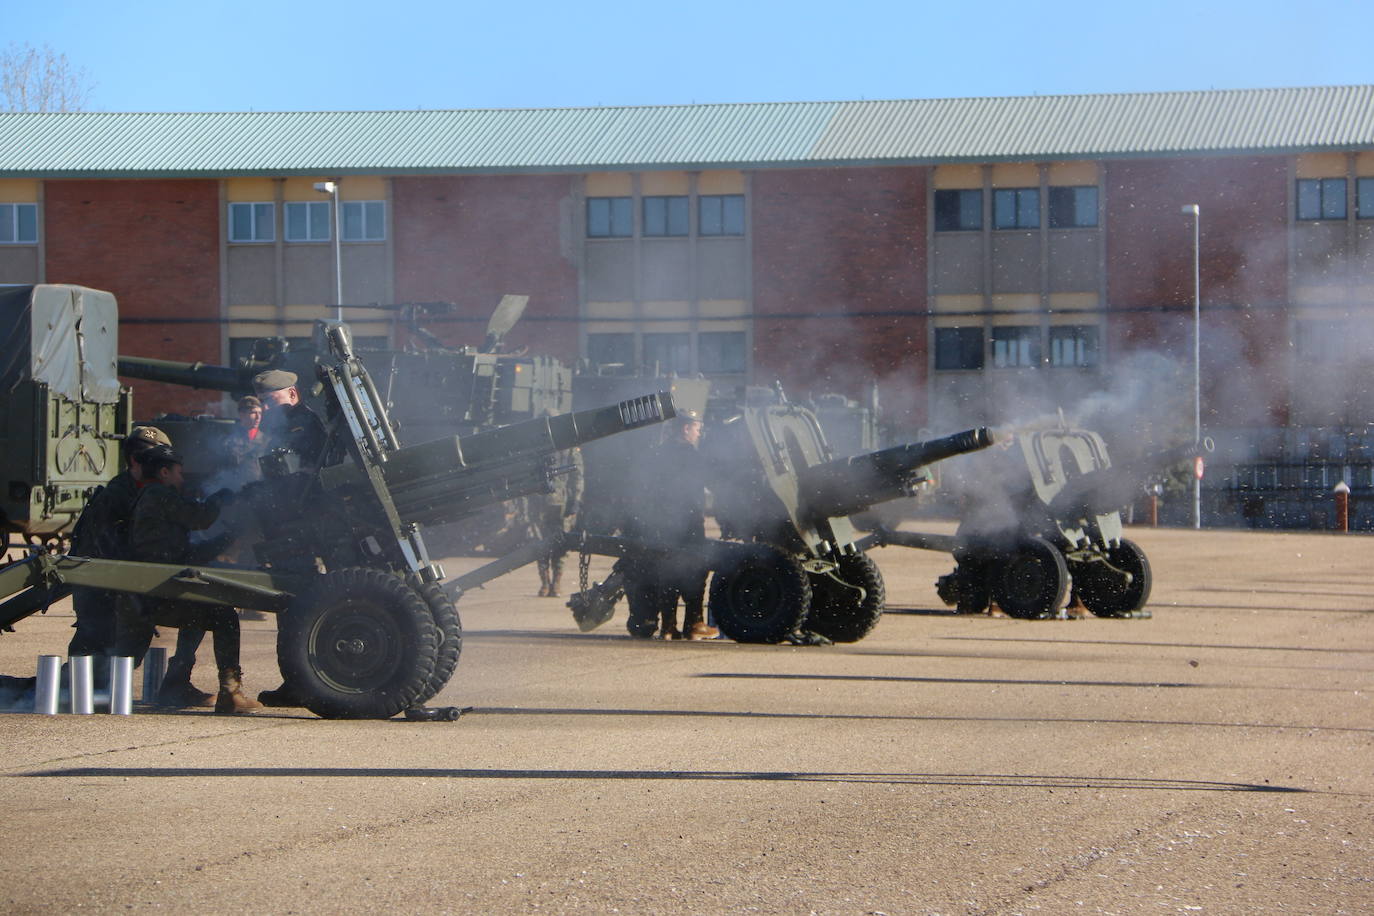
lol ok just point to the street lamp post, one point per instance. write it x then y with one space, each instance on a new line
332 189
1196 212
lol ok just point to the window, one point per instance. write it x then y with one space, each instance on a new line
956 210
611 350
1073 346
1014 347
720 214
1364 198
18 224
958 348
1072 208
1016 208
668 352
251 222
609 218
665 216
306 221
363 220
1321 198
721 352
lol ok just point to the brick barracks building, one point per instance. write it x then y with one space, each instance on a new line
976 259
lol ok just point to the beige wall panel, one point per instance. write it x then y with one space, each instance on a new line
609 271
665 269
250 270
354 187
1068 174
956 263
957 176
254 331
664 183
19 264
250 189
1015 175
1014 302
1321 165
720 183
722 269
607 327
609 310
1319 296
609 184
723 325
678 310
309 271
1327 313
962 304
1364 163
1319 256
1074 308
18 190
1015 262
364 275
723 308
251 312
1074 261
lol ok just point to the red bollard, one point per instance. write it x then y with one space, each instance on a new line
1342 491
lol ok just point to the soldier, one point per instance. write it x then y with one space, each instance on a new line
159 532
288 422
677 522
102 532
246 440
554 513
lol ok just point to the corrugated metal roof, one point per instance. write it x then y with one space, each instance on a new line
95 144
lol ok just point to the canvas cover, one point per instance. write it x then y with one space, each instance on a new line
65 336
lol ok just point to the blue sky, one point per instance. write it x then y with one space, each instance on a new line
216 55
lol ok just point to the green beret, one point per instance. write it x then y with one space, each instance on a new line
273 380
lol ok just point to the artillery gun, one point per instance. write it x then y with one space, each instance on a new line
1041 526
365 631
63 413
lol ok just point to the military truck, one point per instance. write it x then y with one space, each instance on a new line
365 630
63 413
1040 526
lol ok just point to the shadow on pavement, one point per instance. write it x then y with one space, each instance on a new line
1166 645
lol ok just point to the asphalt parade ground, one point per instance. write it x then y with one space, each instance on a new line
1217 758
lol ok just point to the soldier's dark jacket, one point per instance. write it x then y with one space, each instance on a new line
299 429
162 524
678 495
103 529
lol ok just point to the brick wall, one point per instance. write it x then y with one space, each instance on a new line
155 245
851 243
470 240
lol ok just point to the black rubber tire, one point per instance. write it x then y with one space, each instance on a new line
835 612
1103 592
359 644
1033 580
762 596
449 629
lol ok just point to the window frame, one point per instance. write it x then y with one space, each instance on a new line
253 213
1089 345
16 223
962 347
941 213
742 367
612 205
1025 203
1364 203
370 232
1027 334
660 225
1058 191
1323 196
311 207
733 216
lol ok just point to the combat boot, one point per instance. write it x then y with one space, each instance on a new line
231 697
177 691
283 696
554 582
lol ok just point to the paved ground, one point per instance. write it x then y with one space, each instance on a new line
1218 758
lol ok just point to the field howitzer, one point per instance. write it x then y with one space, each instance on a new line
1041 528
365 630
778 489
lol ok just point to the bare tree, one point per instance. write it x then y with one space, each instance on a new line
41 79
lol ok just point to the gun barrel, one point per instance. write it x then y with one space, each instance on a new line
451 477
850 485
191 375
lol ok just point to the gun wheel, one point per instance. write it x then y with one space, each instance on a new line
359 644
449 629
847 610
1034 582
1107 593
761 595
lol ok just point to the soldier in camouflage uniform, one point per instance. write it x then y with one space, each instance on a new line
554 513
159 532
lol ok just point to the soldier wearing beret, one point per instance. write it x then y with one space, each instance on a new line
160 532
102 532
289 422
